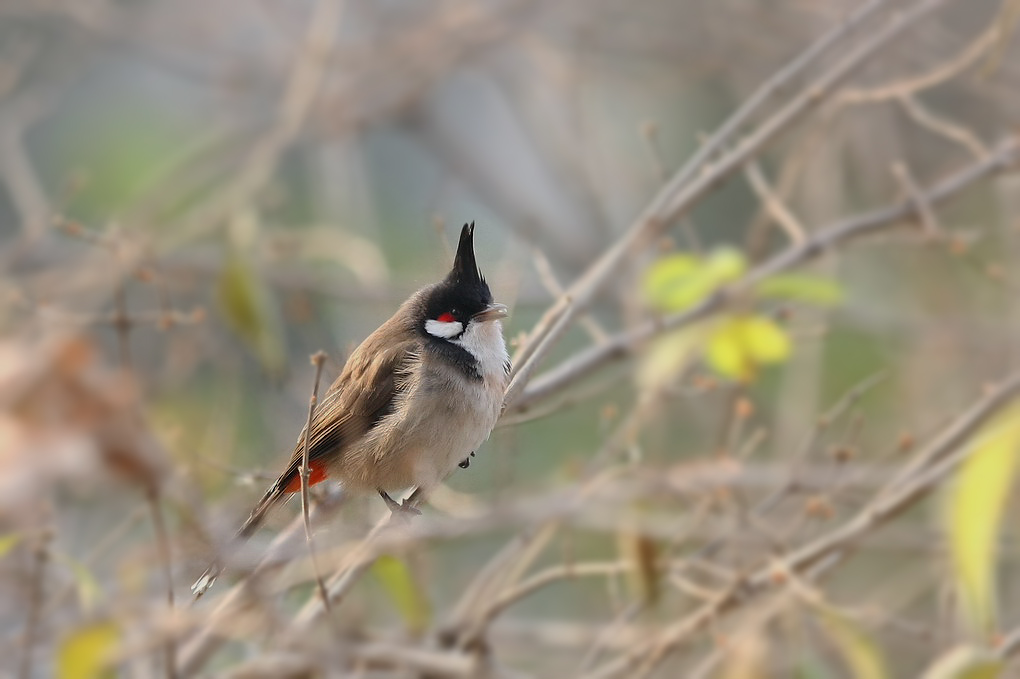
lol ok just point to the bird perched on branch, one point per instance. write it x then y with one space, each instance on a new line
413 401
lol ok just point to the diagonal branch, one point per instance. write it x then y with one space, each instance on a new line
1005 156
696 179
945 453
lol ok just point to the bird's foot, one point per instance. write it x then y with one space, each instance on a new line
466 462
403 508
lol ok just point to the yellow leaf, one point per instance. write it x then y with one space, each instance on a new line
861 655
88 652
965 662
725 264
676 283
739 345
766 342
973 516
680 281
402 588
725 352
8 542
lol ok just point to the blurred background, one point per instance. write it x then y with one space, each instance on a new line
196 196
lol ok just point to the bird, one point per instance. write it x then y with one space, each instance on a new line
414 400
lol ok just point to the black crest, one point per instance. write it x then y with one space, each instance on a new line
465 269
463 292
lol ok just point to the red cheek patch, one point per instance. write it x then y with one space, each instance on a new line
446 317
316 474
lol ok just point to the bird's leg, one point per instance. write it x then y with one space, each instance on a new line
404 507
466 462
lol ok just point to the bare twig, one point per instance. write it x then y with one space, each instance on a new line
773 204
548 278
36 589
299 94
166 561
356 565
832 547
941 126
691 183
938 75
199 649
549 576
582 364
318 360
922 207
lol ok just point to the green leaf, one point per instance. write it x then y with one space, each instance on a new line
248 311
965 662
973 516
87 653
402 588
802 287
861 655
8 542
739 345
680 281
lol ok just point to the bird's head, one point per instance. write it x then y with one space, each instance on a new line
462 300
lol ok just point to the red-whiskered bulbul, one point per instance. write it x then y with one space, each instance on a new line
413 401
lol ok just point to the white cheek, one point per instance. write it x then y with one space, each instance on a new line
444 329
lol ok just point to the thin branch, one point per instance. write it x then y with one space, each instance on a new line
831 547
166 561
208 639
1003 157
938 75
301 89
565 571
922 207
429 662
356 564
695 179
318 360
942 126
547 277
773 204
36 594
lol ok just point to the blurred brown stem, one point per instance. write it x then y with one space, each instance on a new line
37 576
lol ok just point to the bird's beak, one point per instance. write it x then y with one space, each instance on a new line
492 312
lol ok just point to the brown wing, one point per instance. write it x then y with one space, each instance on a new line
363 394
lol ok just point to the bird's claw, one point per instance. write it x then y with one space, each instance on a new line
403 508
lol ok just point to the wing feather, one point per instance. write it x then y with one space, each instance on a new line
363 394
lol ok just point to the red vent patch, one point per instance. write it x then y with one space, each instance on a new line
316 474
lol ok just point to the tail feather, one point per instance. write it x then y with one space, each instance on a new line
251 524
